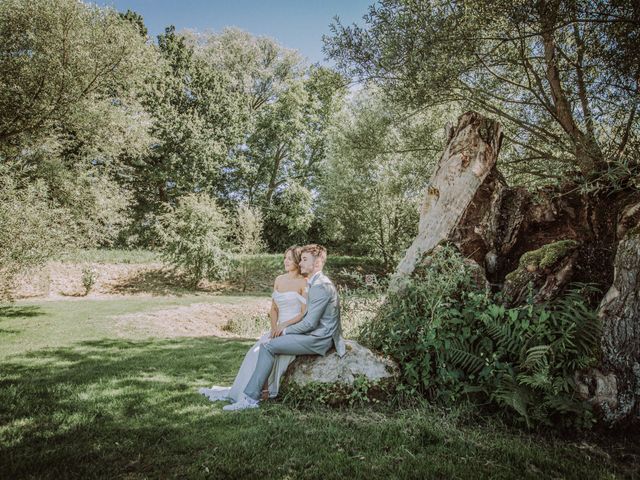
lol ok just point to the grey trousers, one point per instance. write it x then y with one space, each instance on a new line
287 345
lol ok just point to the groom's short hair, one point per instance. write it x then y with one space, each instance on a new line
318 251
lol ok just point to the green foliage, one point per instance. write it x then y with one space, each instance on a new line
89 278
549 70
378 162
248 230
194 238
65 67
454 342
70 75
289 106
289 217
31 230
361 296
255 272
195 118
362 392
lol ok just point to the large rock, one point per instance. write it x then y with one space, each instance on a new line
357 362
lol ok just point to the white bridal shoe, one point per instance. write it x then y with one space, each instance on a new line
243 404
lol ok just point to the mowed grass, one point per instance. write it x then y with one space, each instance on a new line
76 402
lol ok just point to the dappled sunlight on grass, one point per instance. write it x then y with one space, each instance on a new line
107 408
76 403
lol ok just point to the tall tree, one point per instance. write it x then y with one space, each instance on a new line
289 107
70 73
376 169
544 67
196 119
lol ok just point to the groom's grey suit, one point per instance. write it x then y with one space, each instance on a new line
313 335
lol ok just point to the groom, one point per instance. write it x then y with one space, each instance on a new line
318 330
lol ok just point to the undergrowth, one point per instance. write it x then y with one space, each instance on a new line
456 343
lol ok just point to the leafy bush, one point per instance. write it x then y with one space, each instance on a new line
455 342
31 230
362 392
194 238
289 217
249 226
89 278
360 303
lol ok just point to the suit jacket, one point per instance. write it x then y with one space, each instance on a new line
322 318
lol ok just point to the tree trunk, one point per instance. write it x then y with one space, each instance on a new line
470 155
546 238
620 314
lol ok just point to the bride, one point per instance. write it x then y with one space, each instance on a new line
288 305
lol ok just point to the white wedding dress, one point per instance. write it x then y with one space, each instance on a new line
289 305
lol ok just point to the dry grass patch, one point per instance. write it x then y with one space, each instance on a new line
195 320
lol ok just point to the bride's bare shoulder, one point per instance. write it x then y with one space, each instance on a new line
278 281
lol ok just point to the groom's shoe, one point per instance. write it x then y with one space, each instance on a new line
243 404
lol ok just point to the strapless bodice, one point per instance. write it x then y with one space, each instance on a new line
289 304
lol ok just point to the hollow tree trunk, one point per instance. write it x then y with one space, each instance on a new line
470 155
549 238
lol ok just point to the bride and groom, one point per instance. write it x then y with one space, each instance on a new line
305 320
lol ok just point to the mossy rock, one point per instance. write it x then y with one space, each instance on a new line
536 267
543 258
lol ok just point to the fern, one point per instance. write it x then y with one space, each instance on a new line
536 357
512 394
463 357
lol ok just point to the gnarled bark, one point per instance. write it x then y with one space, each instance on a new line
469 157
549 238
620 314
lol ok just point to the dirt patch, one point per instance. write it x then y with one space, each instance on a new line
196 320
58 280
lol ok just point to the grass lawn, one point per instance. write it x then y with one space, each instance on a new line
78 402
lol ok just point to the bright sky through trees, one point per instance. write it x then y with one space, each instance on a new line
297 24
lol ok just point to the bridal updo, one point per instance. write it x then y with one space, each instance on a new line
296 256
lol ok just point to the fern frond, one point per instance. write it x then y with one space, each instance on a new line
536 357
465 360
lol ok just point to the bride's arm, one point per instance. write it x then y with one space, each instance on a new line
273 313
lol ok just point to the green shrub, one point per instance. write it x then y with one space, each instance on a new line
360 303
194 238
89 278
255 272
248 231
362 392
32 229
454 342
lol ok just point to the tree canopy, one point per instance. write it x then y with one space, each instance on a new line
558 73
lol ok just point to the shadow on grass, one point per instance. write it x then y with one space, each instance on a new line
130 409
14 311
155 282
168 282
97 408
